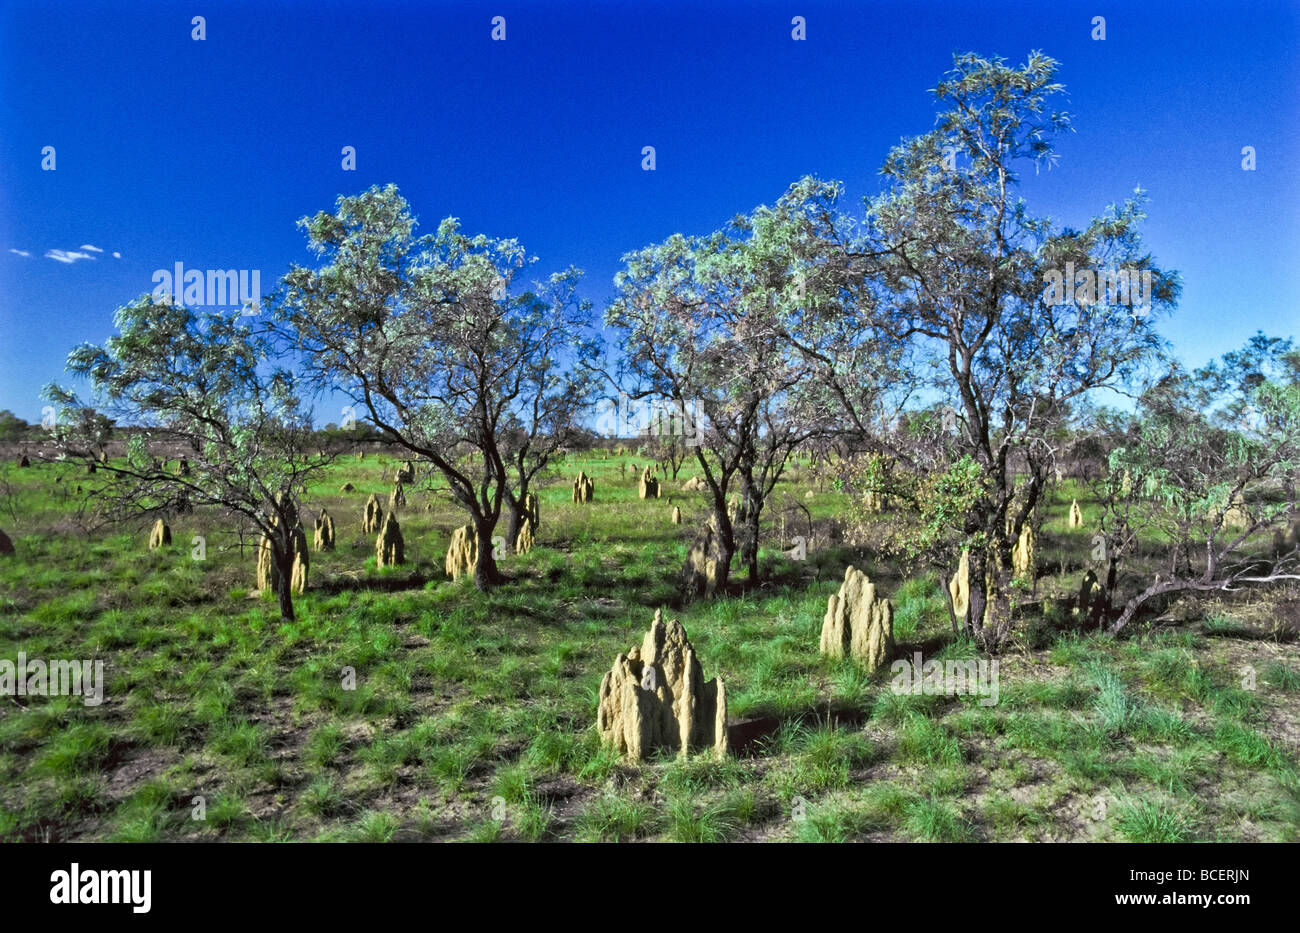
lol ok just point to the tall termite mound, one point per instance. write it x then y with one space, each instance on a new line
6 546
858 623
390 549
301 560
397 498
700 575
160 535
532 519
677 515
533 509
462 555
323 533
1092 603
656 697
649 485
374 515
1076 515
583 488
1022 554
268 572
959 589
525 539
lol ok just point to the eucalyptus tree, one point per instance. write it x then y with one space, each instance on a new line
962 270
205 386
433 340
704 324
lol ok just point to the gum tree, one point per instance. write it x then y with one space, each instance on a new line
962 268
705 323
433 342
204 385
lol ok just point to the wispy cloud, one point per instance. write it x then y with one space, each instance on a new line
93 249
66 256
19 252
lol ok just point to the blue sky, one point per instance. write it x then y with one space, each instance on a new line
208 152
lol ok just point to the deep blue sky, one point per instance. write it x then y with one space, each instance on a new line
208 152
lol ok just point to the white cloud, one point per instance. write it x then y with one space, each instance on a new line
93 249
64 256
19 252
117 255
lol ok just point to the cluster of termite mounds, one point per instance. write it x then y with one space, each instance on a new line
858 623
655 698
268 572
584 487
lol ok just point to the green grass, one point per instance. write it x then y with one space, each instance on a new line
461 697
613 818
1152 821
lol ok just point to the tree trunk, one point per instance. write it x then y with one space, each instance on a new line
485 566
725 544
749 549
975 619
514 519
284 586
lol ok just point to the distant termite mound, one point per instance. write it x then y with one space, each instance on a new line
160 535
